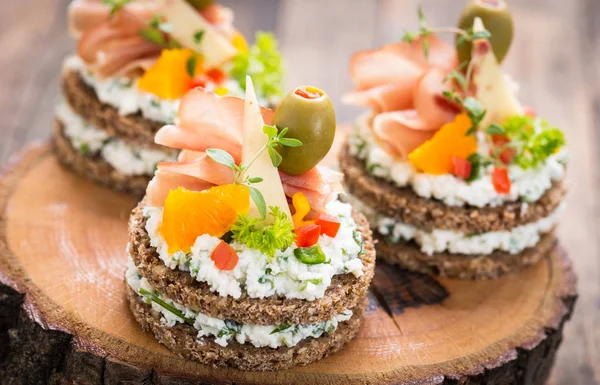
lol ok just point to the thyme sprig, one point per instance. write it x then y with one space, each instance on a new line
116 5
425 30
240 173
158 32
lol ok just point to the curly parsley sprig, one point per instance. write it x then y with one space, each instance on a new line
268 239
240 173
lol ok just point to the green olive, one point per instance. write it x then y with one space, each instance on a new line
308 114
496 19
200 4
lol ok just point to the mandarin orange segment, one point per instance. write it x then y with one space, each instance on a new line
190 214
235 195
435 155
168 78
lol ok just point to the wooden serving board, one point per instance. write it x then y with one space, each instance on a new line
64 317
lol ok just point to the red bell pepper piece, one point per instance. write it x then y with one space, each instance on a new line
329 224
507 155
198 81
307 235
216 75
461 167
224 257
501 181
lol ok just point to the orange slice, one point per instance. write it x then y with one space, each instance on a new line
235 195
190 214
435 155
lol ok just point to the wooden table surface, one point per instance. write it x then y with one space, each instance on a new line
554 57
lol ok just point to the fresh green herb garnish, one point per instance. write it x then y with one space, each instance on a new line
157 32
191 65
263 62
240 176
170 308
313 255
424 31
315 282
533 138
358 239
198 36
268 239
116 5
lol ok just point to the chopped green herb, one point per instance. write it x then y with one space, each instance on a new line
281 328
357 236
84 148
494 129
170 308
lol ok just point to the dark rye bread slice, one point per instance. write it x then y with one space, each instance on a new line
94 167
345 291
463 266
83 100
181 339
428 214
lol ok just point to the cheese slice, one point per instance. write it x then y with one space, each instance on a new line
488 79
254 139
186 22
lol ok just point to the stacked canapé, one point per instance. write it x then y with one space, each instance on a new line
456 177
135 60
241 254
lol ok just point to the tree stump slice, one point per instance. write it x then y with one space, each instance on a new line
64 318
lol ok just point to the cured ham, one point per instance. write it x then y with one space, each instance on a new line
111 45
210 121
400 132
320 185
404 89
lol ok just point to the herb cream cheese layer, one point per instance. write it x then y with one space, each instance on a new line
259 276
92 141
226 331
527 185
437 241
124 95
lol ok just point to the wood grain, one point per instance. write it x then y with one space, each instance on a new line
64 251
555 58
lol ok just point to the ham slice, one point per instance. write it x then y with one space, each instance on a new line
400 132
163 182
320 185
404 89
210 121
110 45
429 101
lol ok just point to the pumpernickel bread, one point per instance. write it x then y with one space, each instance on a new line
94 167
83 100
182 340
345 292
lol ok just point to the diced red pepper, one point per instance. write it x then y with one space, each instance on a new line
308 92
501 181
508 154
329 224
461 167
307 235
199 81
216 75
224 257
